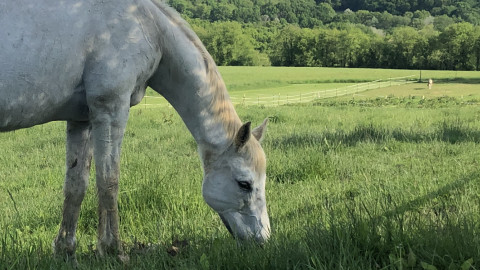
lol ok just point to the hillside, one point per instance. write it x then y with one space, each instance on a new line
413 34
310 13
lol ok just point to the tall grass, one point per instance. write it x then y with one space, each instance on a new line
349 187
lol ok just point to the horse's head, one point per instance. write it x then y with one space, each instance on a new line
234 185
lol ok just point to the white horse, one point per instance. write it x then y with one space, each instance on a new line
87 62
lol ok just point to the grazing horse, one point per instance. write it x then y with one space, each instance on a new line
87 62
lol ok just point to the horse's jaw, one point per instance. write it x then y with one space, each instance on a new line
245 227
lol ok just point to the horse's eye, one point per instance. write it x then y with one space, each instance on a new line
244 185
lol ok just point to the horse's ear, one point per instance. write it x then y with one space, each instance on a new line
259 131
243 135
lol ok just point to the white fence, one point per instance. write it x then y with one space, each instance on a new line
282 99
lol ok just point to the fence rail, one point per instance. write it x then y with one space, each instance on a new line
282 99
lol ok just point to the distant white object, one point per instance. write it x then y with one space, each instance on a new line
430 83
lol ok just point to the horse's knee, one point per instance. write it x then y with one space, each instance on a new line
75 187
107 193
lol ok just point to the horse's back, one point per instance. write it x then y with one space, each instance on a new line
42 54
41 38
49 47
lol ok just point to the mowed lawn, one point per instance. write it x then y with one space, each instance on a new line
349 187
254 78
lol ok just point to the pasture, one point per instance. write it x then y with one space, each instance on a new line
386 180
268 83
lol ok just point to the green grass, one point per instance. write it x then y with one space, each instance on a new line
387 180
458 90
254 78
349 187
263 82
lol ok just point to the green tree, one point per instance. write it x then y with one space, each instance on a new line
245 11
228 45
285 48
202 11
222 12
325 12
357 44
437 59
458 41
476 48
374 55
285 11
304 56
269 9
326 47
403 47
182 6
421 18
443 21
469 11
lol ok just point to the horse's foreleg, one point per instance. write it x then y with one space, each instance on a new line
78 160
108 127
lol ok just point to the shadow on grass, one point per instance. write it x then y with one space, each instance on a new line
441 193
459 80
428 230
450 132
351 236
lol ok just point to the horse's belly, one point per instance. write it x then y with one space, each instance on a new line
23 109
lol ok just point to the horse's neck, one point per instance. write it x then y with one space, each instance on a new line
206 110
188 78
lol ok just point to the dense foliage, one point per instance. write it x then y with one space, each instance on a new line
308 13
455 48
420 34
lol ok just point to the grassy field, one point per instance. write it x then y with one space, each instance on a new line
371 183
254 78
267 83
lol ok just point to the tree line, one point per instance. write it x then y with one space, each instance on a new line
311 13
455 48
361 38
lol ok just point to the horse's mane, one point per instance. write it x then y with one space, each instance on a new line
221 105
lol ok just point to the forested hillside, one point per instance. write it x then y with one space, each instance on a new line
309 13
420 34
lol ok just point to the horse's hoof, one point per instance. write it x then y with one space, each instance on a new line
65 250
124 258
69 259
